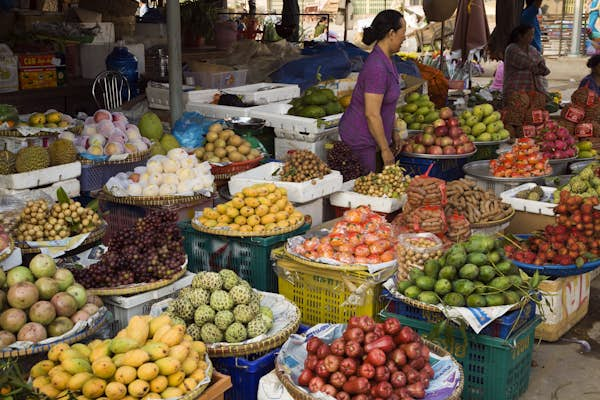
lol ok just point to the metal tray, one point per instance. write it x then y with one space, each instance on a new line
555 161
580 164
491 142
481 170
439 157
561 179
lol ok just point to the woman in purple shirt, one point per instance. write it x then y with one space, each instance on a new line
368 123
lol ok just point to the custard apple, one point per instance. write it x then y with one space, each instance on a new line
184 309
223 319
221 300
198 296
257 327
194 331
210 281
230 278
254 307
235 333
242 313
241 294
177 321
204 314
210 333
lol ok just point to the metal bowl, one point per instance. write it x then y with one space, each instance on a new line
246 123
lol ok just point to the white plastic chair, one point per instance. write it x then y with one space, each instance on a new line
110 89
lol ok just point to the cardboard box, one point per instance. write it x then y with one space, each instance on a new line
44 70
9 78
524 222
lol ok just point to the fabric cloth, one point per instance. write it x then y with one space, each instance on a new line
508 15
498 82
471 30
593 16
143 10
378 76
319 30
590 83
523 71
529 16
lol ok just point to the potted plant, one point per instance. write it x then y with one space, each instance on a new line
198 21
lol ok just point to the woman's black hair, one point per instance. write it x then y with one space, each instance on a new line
593 61
518 32
381 25
323 19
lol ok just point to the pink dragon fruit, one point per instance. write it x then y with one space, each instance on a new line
560 145
549 137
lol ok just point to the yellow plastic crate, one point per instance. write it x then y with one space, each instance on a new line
321 292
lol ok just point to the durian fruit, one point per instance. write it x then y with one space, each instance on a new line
32 158
7 162
62 151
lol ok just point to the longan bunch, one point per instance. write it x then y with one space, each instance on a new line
302 166
391 182
62 220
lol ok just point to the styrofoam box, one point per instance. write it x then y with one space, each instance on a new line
283 146
158 95
14 260
347 198
265 93
498 187
530 206
200 101
14 144
314 209
307 137
41 177
71 187
276 117
301 192
218 80
125 307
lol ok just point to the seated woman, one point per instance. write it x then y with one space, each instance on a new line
592 81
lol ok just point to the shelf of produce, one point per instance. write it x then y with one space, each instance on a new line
301 192
41 177
276 117
494 368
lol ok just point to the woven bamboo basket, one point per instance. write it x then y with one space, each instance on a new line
226 232
138 288
223 173
135 157
298 394
73 338
492 224
142 201
196 392
359 268
433 308
93 237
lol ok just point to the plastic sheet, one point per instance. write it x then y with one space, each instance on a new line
190 129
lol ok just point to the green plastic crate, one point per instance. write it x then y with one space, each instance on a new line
495 369
249 257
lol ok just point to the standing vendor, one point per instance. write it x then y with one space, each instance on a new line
592 81
367 126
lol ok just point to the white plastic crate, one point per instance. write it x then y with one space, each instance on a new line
307 137
218 80
284 146
41 177
14 144
347 198
265 93
158 95
301 192
314 209
530 206
275 116
125 307
70 186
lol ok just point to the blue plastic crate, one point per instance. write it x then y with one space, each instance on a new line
502 327
448 170
245 372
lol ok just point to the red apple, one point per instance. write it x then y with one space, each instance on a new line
454 132
456 142
427 139
419 138
437 150
428 129
449 150
419 148
460 150
446 141
438 141
439 122
441 131
408 148
446 113
469 147
463 139
452 122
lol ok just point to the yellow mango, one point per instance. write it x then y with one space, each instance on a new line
94 343
60 380
188 385
151 395
56 350
187 338
55 370
138 329
93 388
189 365
123 345
118 360
179 352
121 334
115 391
138 388
168 365
41 368
125 374
157 322
160 332
82 348
159 384
104 368
171 392
102 350
199 346
49 391
156 350
40 381
199 374
76 382
70 354
176 379
173 336
75 365
135 358
147 371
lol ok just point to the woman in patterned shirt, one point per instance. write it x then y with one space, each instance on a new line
524 67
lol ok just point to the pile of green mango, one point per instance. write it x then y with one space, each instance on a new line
418 111
473 274
315 103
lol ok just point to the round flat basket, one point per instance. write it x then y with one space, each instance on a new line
227 232
93 237
271 341
11 247
195 393
135 157
481 170
298 394
138 288
433 308
75 337
143 201
492 224
315 264
222 173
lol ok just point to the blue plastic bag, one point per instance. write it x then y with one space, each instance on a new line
190 129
